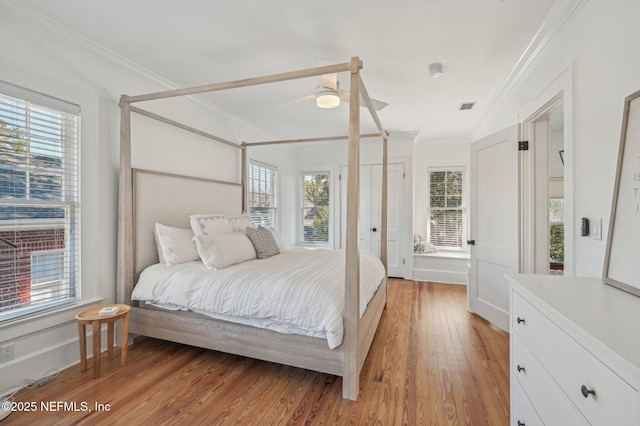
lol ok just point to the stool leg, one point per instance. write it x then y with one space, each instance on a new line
96 349
82 334
125 339
110 339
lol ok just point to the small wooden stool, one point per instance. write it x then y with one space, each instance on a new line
91 316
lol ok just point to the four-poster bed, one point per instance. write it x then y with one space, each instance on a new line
143 200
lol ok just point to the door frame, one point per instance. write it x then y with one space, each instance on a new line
534 189
559 92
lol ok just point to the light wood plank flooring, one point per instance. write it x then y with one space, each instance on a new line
431 363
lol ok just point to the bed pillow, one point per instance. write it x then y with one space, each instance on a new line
277 237
175 245
210 224
263 242
241 223
223 250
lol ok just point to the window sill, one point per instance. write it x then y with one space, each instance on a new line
38 322
444 255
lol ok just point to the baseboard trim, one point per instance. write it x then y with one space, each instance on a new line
59 357
434 275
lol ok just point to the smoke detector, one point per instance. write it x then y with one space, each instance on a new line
436 69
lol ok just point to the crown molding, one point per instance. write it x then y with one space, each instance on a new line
41 23
55 32
561 13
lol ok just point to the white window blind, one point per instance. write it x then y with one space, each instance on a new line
39 202
263 194
315 208
446 214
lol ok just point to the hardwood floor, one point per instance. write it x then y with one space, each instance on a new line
431 362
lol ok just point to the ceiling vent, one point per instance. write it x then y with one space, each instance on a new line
466 106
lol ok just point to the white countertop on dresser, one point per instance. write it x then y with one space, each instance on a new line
603 315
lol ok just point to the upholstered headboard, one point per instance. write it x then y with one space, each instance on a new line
169 199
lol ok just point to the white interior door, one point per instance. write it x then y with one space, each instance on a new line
494 224
370 208
395 201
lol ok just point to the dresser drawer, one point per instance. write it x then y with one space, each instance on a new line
551 403
574 368
522 413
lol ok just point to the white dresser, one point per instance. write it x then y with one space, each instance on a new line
575 352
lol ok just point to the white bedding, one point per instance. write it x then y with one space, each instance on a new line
298 291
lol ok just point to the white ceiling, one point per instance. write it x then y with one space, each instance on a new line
195 42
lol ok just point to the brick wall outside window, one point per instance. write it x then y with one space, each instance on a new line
17 288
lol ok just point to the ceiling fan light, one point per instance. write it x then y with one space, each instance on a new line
327 99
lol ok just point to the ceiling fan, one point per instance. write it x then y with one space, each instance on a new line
329 94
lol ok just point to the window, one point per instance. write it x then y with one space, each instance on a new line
446 208
39 202
556 231
263 194
315 208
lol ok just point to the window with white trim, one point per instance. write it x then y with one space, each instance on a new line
315 208
446 216
39 202
263 194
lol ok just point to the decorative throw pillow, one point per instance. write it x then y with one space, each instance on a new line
263 241
220 251
210 224
175 245
241 223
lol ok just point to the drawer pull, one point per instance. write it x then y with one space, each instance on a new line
520 423
521 369
520 320
586 391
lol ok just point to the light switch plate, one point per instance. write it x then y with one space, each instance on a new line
595 229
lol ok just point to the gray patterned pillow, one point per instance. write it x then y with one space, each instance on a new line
263 241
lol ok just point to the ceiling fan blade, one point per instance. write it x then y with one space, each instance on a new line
297 101
378 105
345 96
330 81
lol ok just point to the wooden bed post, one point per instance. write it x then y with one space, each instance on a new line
351 372
383 213
243 178
125 210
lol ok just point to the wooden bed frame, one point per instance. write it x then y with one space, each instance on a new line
139 211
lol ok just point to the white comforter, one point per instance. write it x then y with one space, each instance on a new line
297 291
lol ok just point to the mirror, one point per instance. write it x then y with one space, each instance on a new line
621 266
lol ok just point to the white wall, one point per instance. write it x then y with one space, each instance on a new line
598 48
48 59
